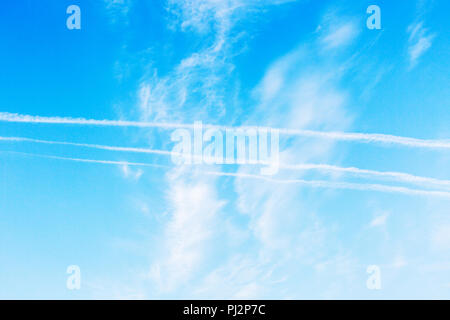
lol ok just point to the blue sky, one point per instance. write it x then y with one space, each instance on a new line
158 230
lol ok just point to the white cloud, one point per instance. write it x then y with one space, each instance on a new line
118 9
340 35
201 15
379 220
336 31
240 278
202 81
192 225
134 174
204 15
420 40
440 237
285 233
296 96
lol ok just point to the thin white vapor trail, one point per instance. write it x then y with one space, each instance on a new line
311 183
338 185
340 136
131 164
13 117
86 145
397 176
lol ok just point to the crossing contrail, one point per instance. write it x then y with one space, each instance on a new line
331 135
339 185
310 183
86 145
396 176
113 162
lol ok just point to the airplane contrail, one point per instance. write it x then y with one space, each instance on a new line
339 185
397 176
311 183
332 135
86 145
113 162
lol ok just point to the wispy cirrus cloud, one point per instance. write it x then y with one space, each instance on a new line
194 208
220 231
379 219
340 35
117 9
336 31
419 41
130 173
